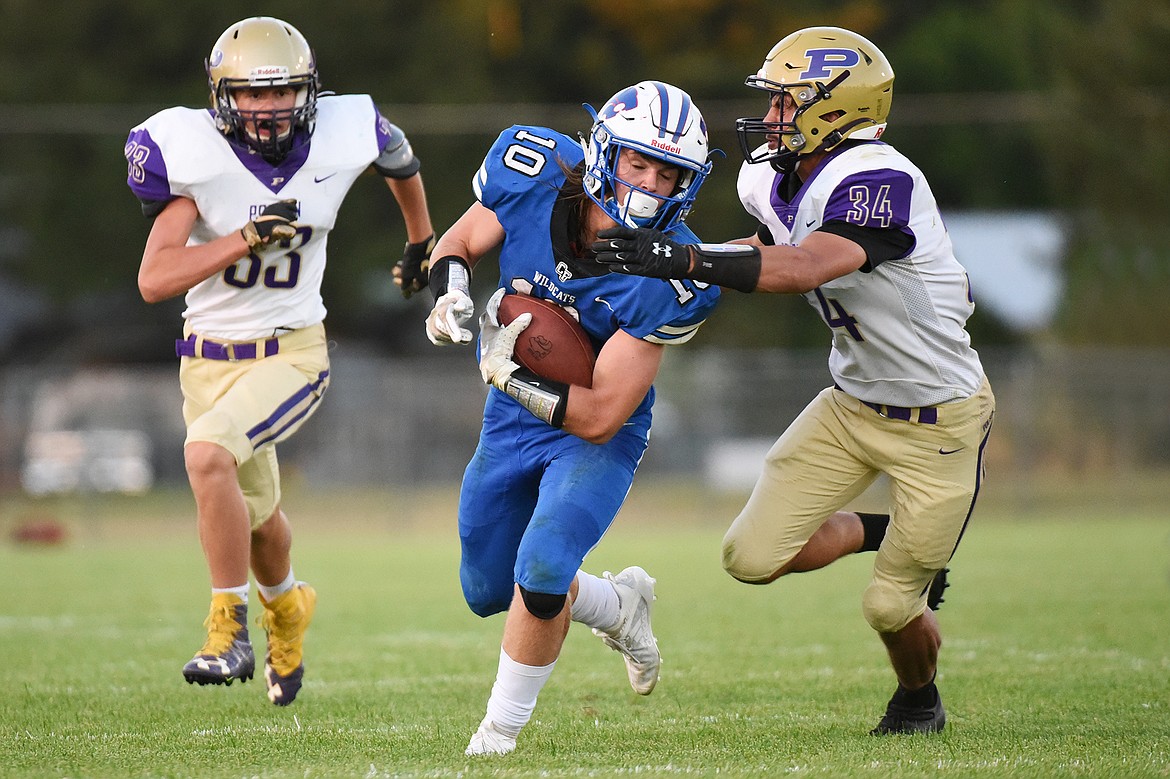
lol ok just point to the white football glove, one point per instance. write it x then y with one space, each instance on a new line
496 343
445 322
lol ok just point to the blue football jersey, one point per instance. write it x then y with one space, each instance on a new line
535 499
521 180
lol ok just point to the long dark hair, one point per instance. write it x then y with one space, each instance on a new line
575 183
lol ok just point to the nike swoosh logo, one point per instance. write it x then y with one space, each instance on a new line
810 224
318 180
950 451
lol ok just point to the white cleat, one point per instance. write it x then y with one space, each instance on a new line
632 636
490 740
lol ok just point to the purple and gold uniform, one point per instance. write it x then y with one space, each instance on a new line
254 362
910 400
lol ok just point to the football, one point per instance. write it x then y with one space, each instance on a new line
553 345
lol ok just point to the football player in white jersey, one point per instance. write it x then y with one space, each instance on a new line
243 197
851 224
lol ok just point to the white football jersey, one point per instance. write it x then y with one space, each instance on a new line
898 329
180 153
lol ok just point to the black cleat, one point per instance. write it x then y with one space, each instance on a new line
934 596
903 718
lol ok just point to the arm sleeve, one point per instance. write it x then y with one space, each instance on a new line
880 243
396 159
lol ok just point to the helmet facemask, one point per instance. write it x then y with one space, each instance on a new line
660 122
261 129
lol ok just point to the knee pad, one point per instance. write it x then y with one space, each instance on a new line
747 565
887 610
542 605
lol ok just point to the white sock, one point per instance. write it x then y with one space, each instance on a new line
597 604
277 589
513 697
241 591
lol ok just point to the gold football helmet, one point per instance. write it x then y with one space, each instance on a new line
841 85
264 52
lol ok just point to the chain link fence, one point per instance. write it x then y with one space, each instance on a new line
403 422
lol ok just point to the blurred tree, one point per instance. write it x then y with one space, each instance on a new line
1111 159
1050 104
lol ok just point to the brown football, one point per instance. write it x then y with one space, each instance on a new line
554 345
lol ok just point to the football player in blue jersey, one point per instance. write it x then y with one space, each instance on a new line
243 197
851 224
555 462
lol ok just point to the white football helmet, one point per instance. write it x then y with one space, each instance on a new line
841 84
264 52
661 122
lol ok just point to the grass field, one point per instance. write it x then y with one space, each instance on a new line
1056 659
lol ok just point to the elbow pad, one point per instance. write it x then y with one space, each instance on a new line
397 160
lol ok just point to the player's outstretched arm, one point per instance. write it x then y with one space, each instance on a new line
745 265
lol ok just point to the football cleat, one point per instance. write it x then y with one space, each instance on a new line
285 619
227 655
901 718
632 636
934 596
488 739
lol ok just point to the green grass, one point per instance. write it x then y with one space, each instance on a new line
1056 659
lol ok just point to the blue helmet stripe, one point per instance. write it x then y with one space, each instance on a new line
664 102
684 111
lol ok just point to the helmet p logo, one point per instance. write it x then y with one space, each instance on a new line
822 61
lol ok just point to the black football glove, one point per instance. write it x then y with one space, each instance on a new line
642 252
412 272
275 223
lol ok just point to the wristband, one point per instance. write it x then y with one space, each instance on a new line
732 265
450 272
545 398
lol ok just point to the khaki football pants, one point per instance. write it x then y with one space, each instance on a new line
248 406
829 455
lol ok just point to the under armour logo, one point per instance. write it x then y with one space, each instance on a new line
664 250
